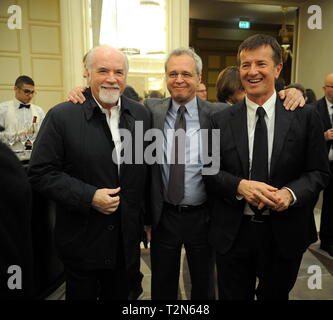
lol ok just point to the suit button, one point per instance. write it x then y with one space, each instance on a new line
110 227
107 261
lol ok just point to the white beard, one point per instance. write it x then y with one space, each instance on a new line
109 96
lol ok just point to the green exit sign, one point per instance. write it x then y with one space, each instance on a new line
244 24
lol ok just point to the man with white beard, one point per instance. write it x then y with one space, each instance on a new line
99 202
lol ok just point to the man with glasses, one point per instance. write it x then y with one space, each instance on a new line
325 109
179 210
17 114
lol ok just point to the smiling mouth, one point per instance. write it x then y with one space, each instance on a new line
254 81
109 88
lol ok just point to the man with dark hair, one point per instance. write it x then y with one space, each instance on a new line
17 115
22 80
129 92
229 88
272 167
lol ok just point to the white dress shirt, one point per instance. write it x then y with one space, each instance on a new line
12 118
252 118
112 119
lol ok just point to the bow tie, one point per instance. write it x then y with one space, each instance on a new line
24 106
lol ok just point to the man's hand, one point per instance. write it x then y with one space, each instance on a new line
293 98
284 199
105 200
75 95
328 134
148 233
257 193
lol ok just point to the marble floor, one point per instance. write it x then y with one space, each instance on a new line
314 282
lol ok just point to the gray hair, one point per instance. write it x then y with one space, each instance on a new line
91 52
190 52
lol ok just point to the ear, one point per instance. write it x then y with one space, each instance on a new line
278 70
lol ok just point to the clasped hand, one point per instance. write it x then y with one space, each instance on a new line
260 194
106 200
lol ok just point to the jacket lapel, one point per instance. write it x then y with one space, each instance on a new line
238 126
160 114
324 113
283 119
204 116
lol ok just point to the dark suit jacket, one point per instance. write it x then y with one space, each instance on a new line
15 224
298 162
71 159
158 109
321 106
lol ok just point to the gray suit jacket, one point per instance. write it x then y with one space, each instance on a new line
159 109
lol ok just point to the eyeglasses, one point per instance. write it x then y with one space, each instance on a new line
183 75
28 92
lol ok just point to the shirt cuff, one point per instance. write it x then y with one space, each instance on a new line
293 194
239 197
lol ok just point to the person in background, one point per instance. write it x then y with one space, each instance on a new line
155 94
229 88
279 84
325 109
75 162
17 115
310 96
129 92
15 228
202 91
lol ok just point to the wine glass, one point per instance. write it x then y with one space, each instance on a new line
11 137
22 137
3 137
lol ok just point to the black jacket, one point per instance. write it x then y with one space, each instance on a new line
298 162
72 158
15 225
159 109
321 107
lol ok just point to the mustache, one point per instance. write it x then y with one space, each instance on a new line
108 86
